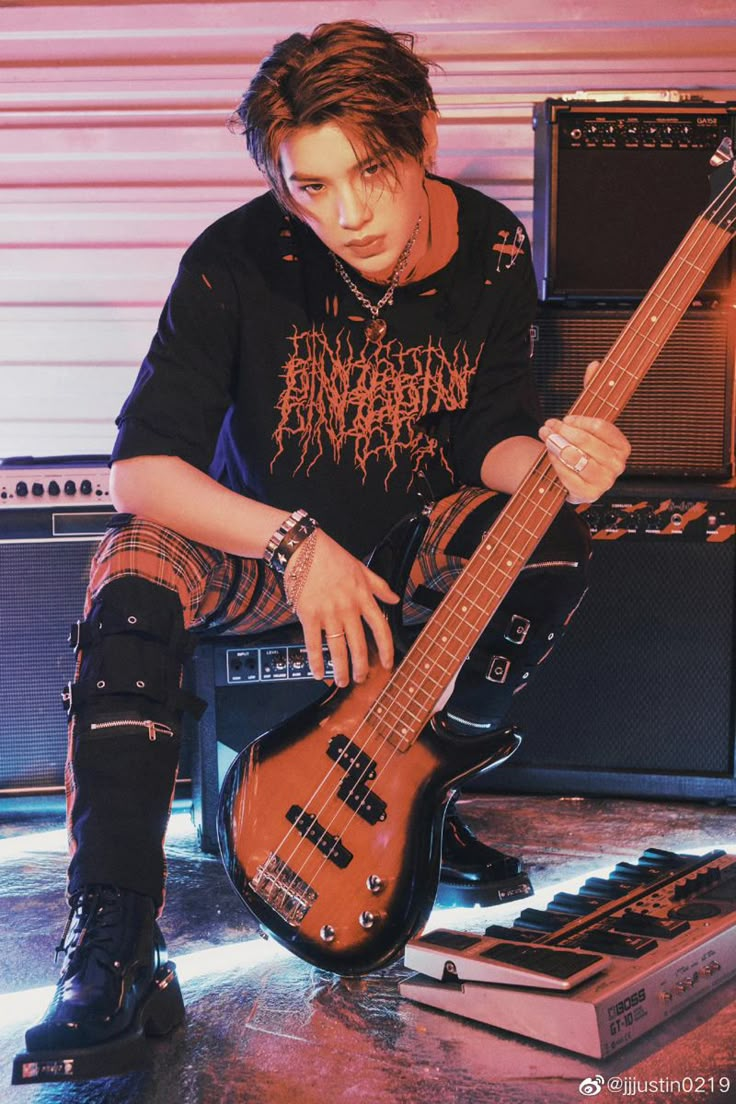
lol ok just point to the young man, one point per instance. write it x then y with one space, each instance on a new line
346 344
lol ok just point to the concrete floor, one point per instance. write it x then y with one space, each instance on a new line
264 1027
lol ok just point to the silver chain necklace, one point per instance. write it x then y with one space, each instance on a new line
375 330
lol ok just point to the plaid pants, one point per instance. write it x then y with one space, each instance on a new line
219 593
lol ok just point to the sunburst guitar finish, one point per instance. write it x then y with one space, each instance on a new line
330 830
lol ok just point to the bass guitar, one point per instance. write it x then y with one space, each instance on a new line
330 825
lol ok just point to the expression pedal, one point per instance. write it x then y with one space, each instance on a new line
457 956
597 969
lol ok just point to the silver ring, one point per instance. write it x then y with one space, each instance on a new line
331 636
581 464
559 444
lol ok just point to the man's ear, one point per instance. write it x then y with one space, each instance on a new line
429 129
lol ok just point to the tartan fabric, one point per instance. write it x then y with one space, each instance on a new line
435 567
217 591
220 592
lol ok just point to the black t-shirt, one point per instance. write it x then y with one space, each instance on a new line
260 372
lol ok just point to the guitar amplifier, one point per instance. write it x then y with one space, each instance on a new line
616 185
637 699
680 420
53 513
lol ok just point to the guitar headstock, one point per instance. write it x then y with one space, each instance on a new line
722 210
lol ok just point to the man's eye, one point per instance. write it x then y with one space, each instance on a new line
311 189
373 169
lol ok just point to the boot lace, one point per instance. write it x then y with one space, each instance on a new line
93 916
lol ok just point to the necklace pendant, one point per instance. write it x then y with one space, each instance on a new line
375 330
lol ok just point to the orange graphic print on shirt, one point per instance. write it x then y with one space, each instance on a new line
336 397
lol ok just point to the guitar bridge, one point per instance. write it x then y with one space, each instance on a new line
287 894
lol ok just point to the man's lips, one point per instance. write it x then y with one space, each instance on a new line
365 243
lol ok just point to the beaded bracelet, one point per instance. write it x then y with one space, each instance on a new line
297 577
287 538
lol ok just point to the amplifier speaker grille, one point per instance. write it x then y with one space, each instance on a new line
638 698
679 421
42 595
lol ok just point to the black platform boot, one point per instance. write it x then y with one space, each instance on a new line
125 708
473 873
116 987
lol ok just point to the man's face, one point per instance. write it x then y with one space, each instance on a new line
359 208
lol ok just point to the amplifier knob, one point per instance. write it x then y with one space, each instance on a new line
70 487
54 488
85 487
37 489
21 489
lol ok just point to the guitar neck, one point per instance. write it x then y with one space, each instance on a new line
409 699
651 325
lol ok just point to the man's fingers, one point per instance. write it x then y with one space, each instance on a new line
313 644
358 646
380 588
337 643
590 372
382 636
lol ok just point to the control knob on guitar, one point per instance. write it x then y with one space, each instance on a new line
330 825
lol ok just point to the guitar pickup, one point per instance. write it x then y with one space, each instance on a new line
349 756
359 769
308 826
365 803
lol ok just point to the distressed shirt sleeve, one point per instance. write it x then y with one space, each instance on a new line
184 387
502 400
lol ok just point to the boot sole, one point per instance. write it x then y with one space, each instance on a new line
159 1013
466 895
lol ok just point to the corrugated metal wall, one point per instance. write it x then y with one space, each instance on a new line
114 152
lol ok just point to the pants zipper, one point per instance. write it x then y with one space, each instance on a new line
155 729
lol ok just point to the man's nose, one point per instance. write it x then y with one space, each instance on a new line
354 211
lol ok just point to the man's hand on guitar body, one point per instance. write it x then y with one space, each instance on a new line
339 597
588 454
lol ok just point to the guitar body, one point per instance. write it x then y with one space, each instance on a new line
331 834
330 826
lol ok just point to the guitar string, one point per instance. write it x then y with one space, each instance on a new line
702 225
700 276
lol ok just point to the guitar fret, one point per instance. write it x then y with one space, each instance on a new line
692 264
670 302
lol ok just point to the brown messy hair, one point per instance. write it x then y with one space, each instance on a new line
364 77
